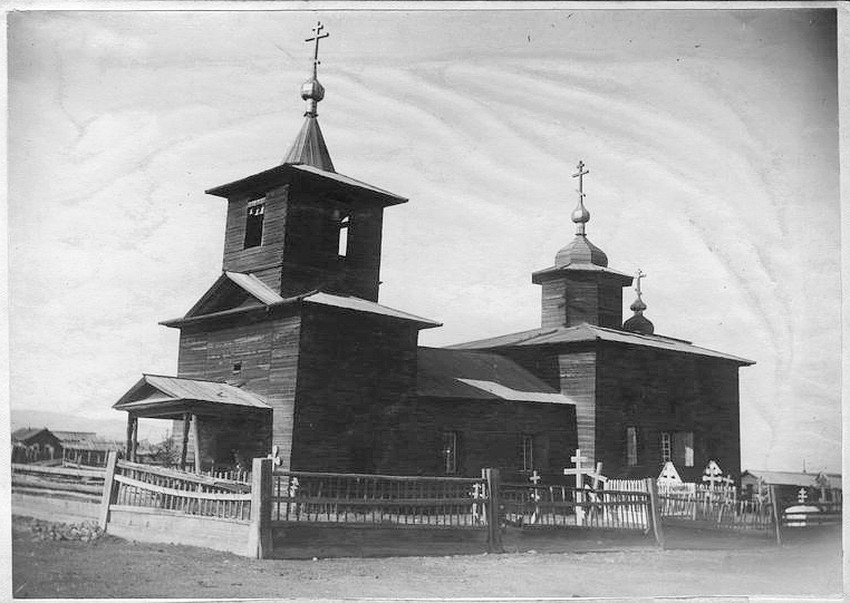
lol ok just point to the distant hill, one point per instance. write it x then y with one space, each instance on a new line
151 430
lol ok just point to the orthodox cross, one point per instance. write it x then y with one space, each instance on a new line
597 477
318 36
802 495
579 471
580 175
535 477
640 274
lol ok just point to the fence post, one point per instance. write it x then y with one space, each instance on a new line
655 511
260 534
777 515
494 533
108 489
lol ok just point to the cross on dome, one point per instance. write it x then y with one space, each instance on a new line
318 36
580 214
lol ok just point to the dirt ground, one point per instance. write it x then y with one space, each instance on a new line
114 568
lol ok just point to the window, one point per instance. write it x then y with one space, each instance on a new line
254 223
342 246
237 368
683 447
666 448
527 452
631 446
450 452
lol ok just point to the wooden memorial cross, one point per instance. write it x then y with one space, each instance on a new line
802 495
535 496
579 471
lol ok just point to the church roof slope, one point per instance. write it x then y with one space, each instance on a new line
262 182
446 373
587 332
362 305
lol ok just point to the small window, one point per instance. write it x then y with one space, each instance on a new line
527 452
666 448
450 452
631 446
254 223
237 368
342 245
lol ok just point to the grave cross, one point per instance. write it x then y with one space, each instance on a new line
597 476
535 477
579 471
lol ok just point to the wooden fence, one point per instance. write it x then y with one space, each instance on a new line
134 485
85 483
385 500
568 507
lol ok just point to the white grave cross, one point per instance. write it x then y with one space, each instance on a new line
579 471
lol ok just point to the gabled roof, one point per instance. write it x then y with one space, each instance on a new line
25 433
72 436
586 332
461 374
160 395
792 478
232 290
235 292
261 182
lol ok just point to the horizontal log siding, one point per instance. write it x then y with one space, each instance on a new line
578 382
352 367
268 352
489 435
661 391
577 297
265 257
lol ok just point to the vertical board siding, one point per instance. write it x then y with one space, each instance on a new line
578 381
283 378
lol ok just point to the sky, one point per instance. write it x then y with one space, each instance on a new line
711 137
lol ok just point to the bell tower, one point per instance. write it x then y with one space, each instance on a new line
580 288
301 226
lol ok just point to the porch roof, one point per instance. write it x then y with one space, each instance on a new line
160 396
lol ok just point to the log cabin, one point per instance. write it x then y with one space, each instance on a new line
289 352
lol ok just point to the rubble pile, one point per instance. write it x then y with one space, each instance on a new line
48 530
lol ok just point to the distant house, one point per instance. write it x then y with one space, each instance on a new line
85 447
819 487
30 445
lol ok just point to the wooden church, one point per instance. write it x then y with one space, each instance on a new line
289 350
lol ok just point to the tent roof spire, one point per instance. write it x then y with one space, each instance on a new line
309 147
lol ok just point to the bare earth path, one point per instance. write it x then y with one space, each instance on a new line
112 568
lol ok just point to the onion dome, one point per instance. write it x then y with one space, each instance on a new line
580 250
639 323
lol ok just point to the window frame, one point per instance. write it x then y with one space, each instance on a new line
666 447
450 452
255 213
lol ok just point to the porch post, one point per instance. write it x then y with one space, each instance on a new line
197 450
185 446
129 442
135 437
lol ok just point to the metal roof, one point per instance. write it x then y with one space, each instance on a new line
362 305
164 391
447 373
255 287
261 182
309 147
587 332
792 478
